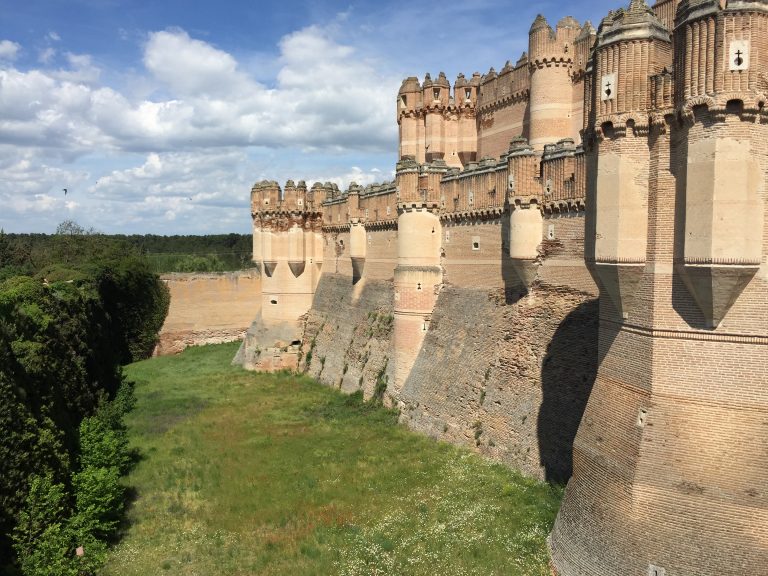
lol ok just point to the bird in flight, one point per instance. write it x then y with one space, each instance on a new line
65 191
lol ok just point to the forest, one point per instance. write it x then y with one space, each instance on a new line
75 306
30 253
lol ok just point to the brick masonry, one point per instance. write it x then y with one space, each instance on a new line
654 398
208 309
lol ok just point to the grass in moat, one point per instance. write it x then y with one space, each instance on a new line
245 473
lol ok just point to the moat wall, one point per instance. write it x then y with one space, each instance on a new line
509 379
504 369
208 309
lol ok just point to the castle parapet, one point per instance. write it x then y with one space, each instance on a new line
436 123
632 47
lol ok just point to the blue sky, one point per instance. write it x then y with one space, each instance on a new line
157 117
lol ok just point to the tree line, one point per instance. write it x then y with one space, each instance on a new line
177 253
74 308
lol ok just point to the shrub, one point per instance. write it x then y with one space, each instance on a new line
99 501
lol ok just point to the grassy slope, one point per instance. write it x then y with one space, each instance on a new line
254 474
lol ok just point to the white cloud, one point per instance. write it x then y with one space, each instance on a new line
186 141
8 50
190 67
46 55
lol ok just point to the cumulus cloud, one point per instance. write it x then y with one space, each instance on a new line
8 50
186 138
193 68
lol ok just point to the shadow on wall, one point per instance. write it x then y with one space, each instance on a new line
567 375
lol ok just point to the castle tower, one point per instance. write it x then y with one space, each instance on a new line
409 119
550 56
418 274
465 97
632 46
435 96
287 239
525 218
670 466
358 244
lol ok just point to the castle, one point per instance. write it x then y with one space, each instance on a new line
627 162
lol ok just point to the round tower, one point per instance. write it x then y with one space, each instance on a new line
436 97
418 274
550 56
465 98
669 467
409 120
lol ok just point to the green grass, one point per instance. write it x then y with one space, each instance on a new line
245 473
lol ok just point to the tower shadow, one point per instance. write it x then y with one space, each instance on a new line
568 372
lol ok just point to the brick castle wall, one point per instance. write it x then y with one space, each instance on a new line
208 309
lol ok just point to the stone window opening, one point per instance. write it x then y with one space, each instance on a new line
436 93
273 300
418 286
642 416
403 101
476 243
468 93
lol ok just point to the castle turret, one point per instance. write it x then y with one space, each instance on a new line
418 274
525 219
436 95
357 235
550 55
669 475
288 246
409 120
632 46
724 187
465 97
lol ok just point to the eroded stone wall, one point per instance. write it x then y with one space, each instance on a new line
508 377
348 334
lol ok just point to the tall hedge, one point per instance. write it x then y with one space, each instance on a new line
64 335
